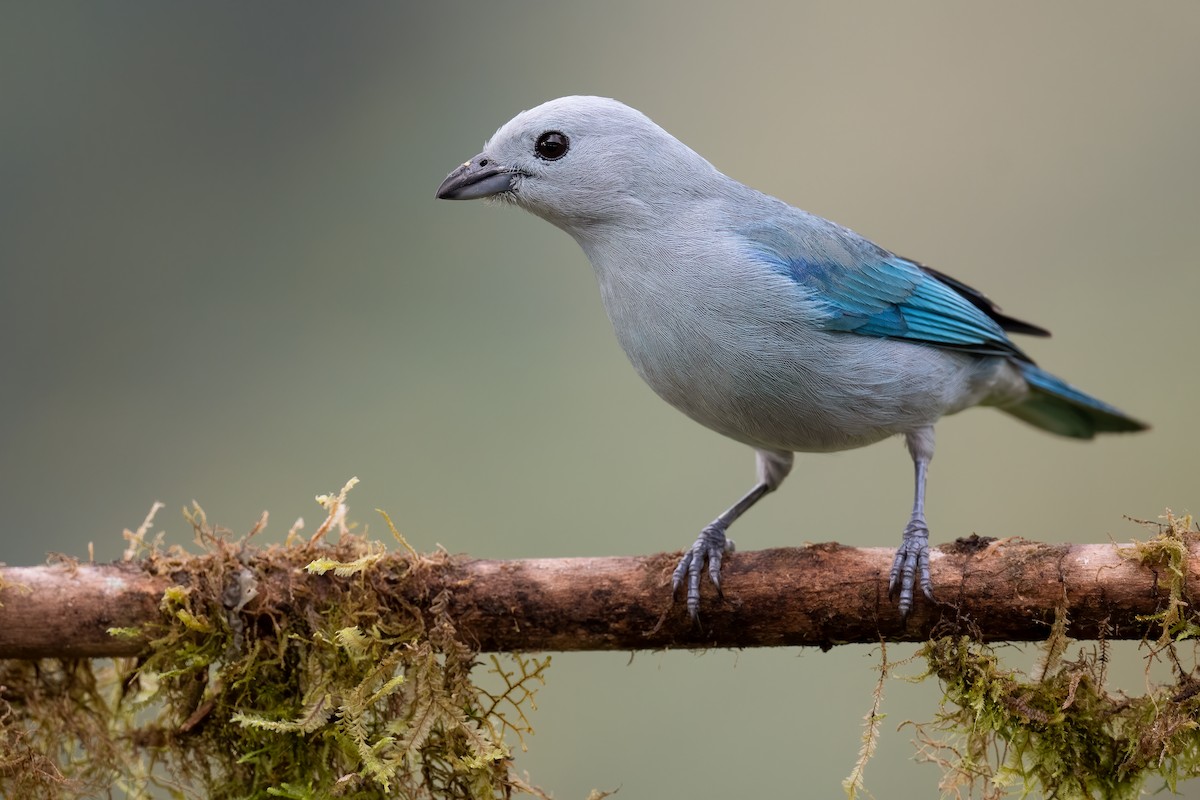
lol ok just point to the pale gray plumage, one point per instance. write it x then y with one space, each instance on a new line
770 325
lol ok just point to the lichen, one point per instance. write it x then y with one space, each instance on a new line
249 692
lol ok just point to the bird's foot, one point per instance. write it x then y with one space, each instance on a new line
912 558
711 546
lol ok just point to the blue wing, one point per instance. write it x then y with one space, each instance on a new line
869 291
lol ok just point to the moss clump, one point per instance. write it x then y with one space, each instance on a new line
1058 731
261 683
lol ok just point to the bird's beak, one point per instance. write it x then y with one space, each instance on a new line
479 177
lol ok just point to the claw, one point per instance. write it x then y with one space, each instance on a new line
711 546
912 558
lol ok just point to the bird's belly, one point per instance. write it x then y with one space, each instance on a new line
809 390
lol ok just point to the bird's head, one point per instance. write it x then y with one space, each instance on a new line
577 161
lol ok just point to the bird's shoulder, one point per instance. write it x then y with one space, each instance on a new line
869 290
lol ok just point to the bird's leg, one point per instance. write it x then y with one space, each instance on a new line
712 544
913 555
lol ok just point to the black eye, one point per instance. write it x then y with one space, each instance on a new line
552 145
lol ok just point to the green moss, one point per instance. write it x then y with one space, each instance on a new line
1059 732
259 685
1168 552
247 691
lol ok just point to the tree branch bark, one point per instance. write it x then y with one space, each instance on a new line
822 595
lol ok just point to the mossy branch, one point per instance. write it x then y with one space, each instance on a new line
822 594
328 667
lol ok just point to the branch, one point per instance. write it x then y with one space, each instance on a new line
821 595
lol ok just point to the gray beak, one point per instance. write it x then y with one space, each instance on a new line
479 177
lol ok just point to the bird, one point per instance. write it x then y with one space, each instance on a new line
768 324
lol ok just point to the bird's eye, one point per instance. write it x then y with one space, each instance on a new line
552 145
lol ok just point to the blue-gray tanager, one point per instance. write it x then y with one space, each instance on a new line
775 327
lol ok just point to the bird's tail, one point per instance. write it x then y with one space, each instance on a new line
1058 407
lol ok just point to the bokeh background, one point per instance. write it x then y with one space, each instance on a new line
225 277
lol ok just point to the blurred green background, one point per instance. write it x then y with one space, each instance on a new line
225 277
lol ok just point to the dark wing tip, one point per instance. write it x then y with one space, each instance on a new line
1013 325
984 304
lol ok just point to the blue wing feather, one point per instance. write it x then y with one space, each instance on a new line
869 291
